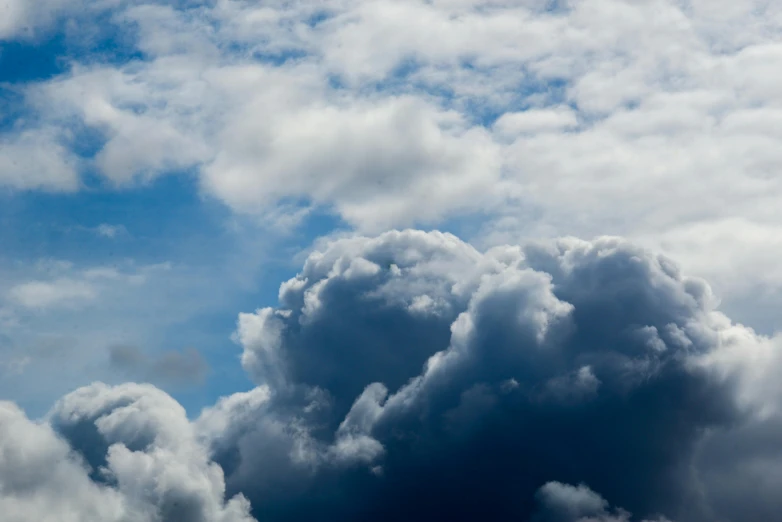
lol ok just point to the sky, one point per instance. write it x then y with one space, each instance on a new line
382 260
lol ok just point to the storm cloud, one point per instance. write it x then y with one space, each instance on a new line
411 376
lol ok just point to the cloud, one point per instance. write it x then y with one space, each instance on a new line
141 451
110 231
62 286
19 21
414 366
409 375
572 361
37 159
375 162
47 294
565 503
42 480
186 367
395 113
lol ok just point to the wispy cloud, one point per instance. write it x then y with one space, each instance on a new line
47 294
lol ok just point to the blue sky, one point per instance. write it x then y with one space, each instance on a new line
244 210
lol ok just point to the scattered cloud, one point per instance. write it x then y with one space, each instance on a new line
395 113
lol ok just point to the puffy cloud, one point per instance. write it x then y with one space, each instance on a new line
411 376
139 442
119 454
42 479
375 162
394 113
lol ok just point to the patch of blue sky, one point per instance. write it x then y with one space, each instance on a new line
12 108
405 78
251 52
222 264
161 217
530 92
318 17
410 76
44 56
26 61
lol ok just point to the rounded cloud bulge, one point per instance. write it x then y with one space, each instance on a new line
411 376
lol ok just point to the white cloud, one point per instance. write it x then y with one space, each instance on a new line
377 163
648 119
39 473
13 14
150 456
35 159
21 19
46 294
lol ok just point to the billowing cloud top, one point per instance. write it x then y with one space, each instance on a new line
409 376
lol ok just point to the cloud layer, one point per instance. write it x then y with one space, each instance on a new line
531 115
410 376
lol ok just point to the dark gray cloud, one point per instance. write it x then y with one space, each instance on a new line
484 377
411 377
171 368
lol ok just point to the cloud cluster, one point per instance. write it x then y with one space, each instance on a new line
580 362
410 376
395 113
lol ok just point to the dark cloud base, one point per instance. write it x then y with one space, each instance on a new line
411 377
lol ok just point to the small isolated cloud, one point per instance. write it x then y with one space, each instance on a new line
186 367
110 231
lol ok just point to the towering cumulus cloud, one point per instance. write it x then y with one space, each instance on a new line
411 377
